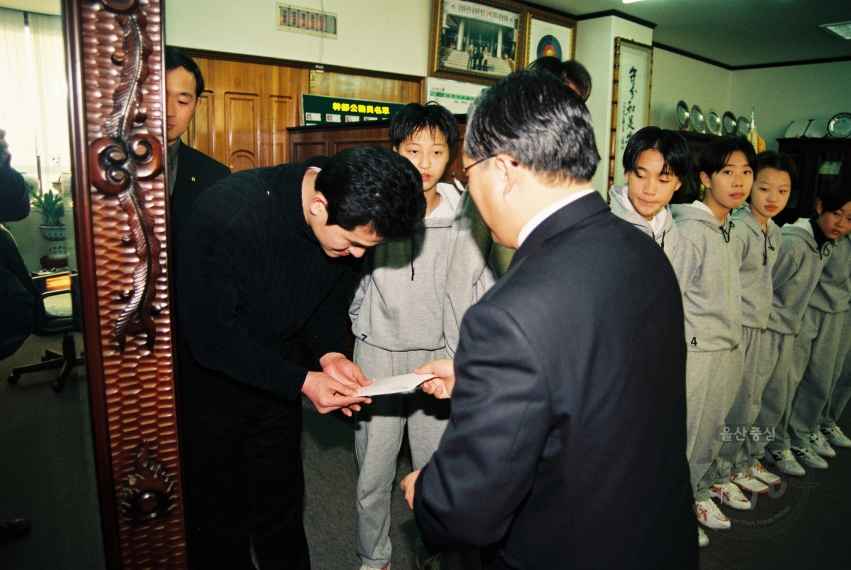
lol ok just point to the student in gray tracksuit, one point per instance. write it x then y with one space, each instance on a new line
825 321
757 240
655 161
801 259
397 321
708 270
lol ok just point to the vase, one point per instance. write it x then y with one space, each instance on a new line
55 236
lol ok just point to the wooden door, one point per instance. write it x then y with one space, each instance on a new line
247 106
245 111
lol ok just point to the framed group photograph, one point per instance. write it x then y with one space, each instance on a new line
549 35
476 41
630 100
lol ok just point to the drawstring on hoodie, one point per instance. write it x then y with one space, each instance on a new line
824 250
663 239
412 257
765 247
726 232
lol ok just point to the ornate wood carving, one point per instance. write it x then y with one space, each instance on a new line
117 85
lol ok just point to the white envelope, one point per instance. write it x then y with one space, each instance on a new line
395 384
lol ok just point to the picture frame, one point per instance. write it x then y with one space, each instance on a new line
633 74
477 41
549 34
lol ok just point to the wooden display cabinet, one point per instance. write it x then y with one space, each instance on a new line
822 164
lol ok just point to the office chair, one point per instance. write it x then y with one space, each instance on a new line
56 311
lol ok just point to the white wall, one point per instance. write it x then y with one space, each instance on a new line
381 35
678 78
595 49
784 94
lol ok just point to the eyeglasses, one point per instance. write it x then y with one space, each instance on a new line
460 176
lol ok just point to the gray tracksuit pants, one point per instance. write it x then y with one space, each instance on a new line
379 428
842 390
776 355
820 375
712 378
733 455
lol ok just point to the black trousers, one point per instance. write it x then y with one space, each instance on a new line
244 482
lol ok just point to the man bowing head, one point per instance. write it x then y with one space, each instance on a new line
566 441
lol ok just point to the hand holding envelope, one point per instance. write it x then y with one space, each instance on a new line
436 378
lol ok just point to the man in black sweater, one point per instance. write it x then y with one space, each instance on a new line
266 253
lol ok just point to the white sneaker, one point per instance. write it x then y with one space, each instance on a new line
702 539
785 462
365 567
835 436
762 474
747 482
730 495
709 515
819 444
808 457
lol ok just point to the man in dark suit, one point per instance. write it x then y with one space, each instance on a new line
566 441
190 172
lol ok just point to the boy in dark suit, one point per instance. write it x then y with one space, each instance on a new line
190 172
554 364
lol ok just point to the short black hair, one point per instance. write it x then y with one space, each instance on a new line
568 71
374 187
174 58
413 117
834 198
777 161
671 145
715 155
537 120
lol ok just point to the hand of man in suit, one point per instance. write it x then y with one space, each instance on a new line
408 484
441 386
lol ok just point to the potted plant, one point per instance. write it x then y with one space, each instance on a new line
52 210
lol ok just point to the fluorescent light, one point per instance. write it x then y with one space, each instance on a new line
841 29
630 1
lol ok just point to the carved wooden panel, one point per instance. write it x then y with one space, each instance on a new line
116 73
201 127
281 115
242 130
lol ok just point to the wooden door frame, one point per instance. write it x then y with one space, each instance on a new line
114 62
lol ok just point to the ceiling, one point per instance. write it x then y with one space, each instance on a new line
734 32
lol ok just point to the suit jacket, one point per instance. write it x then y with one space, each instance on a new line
566 441
195 173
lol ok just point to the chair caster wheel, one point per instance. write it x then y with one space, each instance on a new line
13 379
57 387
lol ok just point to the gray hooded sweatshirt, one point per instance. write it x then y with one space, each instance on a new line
833 291
795 276
668 238
398 305
757 251
708 271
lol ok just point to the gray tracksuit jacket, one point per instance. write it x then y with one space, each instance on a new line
398 305
708 271
795 275
668 239
757 251
833 291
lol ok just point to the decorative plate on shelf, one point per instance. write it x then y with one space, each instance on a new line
728 123
682 115
698 121
743 127
797 129
713 123
839 127
817 129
